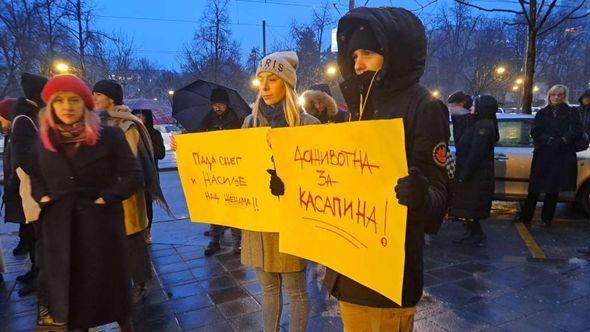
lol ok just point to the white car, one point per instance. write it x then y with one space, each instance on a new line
167 130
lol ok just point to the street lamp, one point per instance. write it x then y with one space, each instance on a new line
535 89
155 99
515 88
171 93
519 81
62 67
435 93
255 83
331 70
300 100
501 70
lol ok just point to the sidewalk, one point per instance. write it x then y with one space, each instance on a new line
495 288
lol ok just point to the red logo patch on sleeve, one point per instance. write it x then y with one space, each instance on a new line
439 154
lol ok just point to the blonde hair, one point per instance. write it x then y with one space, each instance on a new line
554 89
290 108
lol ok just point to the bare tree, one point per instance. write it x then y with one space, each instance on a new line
322 19
539 19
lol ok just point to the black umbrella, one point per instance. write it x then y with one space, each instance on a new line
191 103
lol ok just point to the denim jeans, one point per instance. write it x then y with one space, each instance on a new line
272 301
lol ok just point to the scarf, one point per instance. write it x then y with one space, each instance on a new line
273 114
74 133
121 117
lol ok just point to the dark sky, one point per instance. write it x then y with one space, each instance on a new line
160 28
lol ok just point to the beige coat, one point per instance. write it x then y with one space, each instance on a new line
261 250
134 208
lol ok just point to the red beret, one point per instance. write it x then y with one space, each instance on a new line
6 106
68 83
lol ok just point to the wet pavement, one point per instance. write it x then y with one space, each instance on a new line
499 287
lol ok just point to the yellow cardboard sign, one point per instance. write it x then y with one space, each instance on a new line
339 207
224 178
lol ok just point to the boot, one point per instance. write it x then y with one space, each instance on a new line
44 319
212 248
20 249
467 234
478 239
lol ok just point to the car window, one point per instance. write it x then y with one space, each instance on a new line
515 133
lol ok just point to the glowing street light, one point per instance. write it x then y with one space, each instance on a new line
331 70
500 70
435 93
155 99
255 82
171 92
535 89
62 67
300 100
515 88
519 81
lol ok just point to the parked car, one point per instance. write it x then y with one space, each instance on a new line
167 130
513 156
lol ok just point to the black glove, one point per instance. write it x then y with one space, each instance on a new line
411 190
277 187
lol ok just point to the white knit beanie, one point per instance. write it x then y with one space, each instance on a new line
282 64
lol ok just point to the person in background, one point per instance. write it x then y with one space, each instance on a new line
108 97
318 102
147 117
460 105
381 55
473 188
23 135
555 130
584 110
83 172
5 107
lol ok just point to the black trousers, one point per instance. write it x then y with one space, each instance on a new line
549 205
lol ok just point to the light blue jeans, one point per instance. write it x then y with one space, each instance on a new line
272 301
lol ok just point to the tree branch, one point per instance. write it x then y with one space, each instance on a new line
490 10
566 17
526 14
547 13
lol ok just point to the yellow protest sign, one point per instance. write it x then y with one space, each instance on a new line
224 178
339 207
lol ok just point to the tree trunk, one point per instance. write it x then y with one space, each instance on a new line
529 72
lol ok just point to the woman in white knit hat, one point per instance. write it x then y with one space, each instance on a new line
276 106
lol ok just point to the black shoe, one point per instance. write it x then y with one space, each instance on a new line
27 289
207 233
27 278
20 249
546 223
212 248
478 240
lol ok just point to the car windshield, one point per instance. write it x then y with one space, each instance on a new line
513 133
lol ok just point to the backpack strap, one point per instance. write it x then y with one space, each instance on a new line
23 116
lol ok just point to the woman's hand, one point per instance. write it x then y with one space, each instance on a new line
100 201
45 199
173 145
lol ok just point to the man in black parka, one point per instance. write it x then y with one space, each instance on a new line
382 53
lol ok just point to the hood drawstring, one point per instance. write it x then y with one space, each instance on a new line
363 103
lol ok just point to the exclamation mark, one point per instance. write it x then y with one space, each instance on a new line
255 201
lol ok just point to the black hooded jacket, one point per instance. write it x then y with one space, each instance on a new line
584 111
397 94
474 189
228 120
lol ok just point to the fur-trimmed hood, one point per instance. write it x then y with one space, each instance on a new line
310 96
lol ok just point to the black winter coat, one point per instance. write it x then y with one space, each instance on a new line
228 120
19 151
84 244
555 168
473 189
397 94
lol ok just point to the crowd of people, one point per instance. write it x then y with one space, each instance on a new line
81 175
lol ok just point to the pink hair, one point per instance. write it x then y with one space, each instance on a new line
48 127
